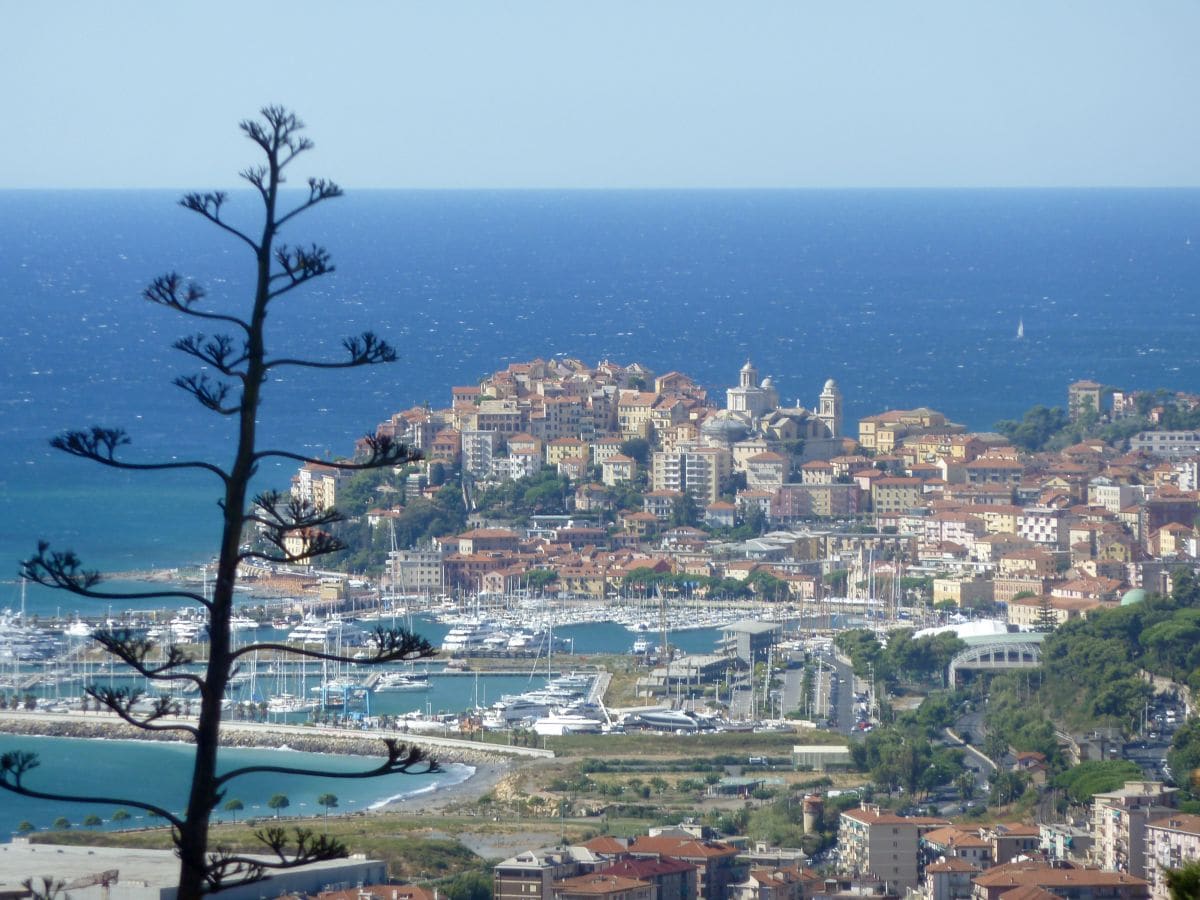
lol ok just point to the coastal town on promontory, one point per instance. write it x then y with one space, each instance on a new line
776 654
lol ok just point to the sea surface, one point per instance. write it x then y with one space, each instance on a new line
73 766
904 297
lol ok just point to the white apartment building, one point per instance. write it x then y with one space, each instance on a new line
1119 824
1113 496
696 470
1166 443
1171 841
478 450
1042 525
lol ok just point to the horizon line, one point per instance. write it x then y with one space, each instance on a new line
632 189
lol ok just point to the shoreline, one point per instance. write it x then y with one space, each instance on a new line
487 768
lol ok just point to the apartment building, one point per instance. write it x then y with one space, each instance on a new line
882 845
1171 841
715 861
532 875
895 494
1119 824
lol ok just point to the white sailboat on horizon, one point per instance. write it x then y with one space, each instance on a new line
1020 329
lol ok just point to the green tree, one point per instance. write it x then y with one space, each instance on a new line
234 370
684 510
278 802
1184 882
120 815
235 806
1036 428
91 820
327 802
62 823
25 826
637 449
470 886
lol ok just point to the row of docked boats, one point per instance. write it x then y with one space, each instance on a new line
474 637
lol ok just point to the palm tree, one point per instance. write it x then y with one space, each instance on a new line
25 827
329 801
234 805
278 802
92 821
62 823
120 815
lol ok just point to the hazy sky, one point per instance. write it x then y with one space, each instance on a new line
608 93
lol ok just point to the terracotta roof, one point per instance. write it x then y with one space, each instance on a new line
1185 822
682 848
1045 876
596 883
645 868
952 864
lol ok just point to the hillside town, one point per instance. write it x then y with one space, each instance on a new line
909 508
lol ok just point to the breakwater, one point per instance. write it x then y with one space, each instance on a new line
266 737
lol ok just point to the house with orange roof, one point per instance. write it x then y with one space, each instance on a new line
605 448
1073 883
595 886
715 861
994 470
817 471
776 883
1100 590
618 468
1026 612
721 514
949 879
845 464
633 413
966 844
673 879
1171 540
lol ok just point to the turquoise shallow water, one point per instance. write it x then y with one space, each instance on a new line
159 773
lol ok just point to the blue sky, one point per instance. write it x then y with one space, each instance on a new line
649 93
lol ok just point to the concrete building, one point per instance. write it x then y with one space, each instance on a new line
673 879
479 448
532 875
715 861
749 640
882 845
1166 443
1171 841
1119 824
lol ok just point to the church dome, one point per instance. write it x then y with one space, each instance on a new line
768 382
748 367
1133 596
830 386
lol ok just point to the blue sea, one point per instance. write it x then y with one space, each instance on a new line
905 297
164 770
